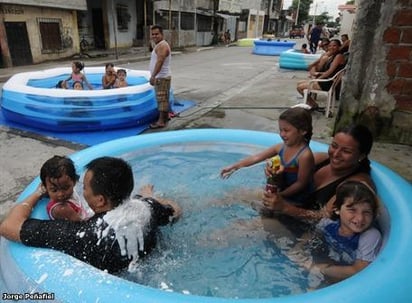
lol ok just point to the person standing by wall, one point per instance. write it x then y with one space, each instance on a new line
161 75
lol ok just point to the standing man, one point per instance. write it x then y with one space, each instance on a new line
161 75
314 37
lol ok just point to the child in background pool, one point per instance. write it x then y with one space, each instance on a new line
77 75
304 49
352 241
77 85
121 78
295 126
62 84
110 76
58 177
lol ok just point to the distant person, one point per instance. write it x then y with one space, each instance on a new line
77 75
304 49
62 84
78 85
314 37
100 241
110 77
315 67
335 63
161 75
295 129
345 43
121 78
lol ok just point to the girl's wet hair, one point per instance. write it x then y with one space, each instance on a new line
360 192
56 167
299 118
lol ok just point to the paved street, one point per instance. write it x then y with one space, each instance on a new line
233 89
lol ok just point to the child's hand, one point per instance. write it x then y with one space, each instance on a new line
227 172
41 191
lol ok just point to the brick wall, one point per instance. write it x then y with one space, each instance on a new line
398 40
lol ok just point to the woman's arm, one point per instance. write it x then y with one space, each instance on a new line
276 203
11 225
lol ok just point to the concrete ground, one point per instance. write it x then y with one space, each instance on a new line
232 88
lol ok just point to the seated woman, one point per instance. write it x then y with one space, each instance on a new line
346 159
335 63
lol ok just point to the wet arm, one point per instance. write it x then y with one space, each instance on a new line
341 272
11 226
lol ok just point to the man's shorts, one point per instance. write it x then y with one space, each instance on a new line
162 88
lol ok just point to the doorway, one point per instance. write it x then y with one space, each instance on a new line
19 44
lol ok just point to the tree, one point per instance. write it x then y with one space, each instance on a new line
304 7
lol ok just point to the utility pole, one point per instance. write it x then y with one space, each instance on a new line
297 13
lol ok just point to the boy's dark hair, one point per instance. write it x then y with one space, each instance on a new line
299 118
157 26
56 167
112 178
359 192
75 82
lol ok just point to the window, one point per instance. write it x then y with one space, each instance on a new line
204 23
50 34
187 21
123 17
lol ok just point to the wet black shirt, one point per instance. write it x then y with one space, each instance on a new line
80 239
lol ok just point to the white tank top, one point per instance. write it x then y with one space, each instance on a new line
165 71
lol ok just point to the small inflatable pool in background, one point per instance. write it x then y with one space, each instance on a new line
295 59
28 269
246 42
272 47
31 99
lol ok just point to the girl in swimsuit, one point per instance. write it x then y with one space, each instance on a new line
347 159
58 176
77 75
297 162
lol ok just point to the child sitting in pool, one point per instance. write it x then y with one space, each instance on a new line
110 76
295 125
62 84
121 79
351 239
77 75
58 177
77 85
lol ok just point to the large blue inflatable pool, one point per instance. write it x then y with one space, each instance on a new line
47 272
295 59
31 99
271 47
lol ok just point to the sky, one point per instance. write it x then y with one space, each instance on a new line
331 6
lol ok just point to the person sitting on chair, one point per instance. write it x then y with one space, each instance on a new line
335 63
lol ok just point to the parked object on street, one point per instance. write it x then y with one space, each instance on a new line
31 99
295 59
246 42
272 47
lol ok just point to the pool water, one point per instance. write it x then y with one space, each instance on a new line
219 247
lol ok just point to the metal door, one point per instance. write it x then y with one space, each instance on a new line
19 45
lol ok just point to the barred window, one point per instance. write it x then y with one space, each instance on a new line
187 21
50 34
204 23
123 17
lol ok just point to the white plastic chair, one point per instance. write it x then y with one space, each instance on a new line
331 93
